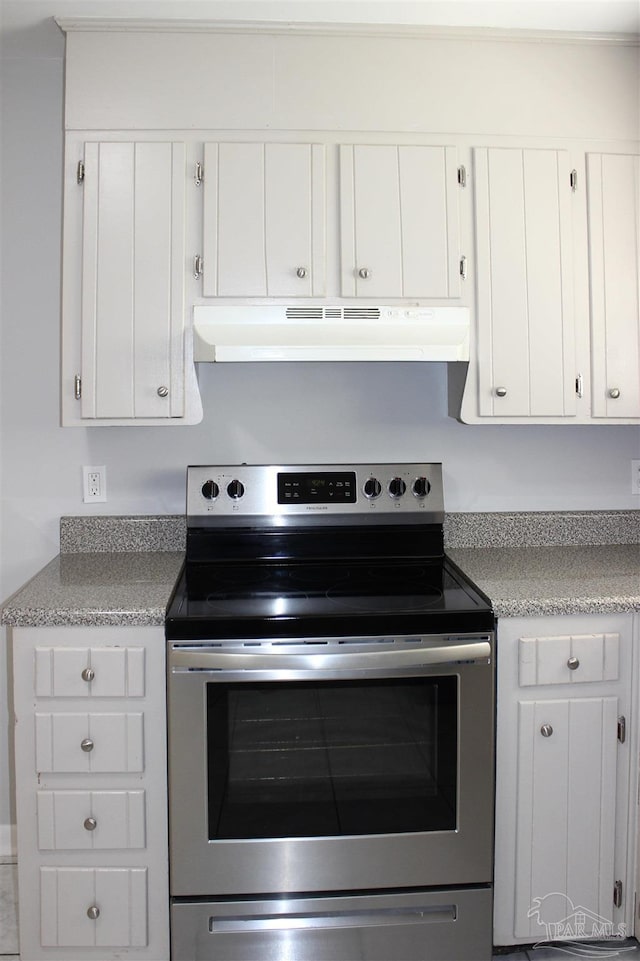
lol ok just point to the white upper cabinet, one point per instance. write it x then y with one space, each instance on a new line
613 198
133 280
399 223
264 220
124 303
525 315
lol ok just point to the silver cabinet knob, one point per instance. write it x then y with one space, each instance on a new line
364 272
546 730
301 272
163 391
614 393
90 824
86 745
573 663
93 912
88 674
501 391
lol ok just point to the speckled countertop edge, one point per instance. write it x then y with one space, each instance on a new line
105 588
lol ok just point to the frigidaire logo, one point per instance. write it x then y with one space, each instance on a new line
316 507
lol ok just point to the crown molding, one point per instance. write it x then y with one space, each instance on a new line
299 28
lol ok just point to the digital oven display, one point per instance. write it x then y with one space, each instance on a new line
324 488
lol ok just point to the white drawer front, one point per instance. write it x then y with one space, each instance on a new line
89 672
91 820
89 743
71 897
569 659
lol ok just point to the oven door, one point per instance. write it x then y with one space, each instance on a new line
330 765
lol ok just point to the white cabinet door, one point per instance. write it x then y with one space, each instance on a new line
565 814
613 197
399 221
133 269
93 907
264 220
565 786
524 283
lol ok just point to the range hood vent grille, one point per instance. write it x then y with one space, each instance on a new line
334 332
332 313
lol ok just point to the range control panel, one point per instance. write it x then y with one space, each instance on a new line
356 493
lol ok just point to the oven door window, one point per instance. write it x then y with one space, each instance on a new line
313 759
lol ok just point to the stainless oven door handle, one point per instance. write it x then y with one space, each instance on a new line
478 652
434 914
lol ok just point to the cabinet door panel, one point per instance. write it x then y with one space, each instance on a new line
120 894
565 818
369 176
117 672
430 230
294 220
133 235
524 280
117 743
399 221
568 659
264 220
613 194
119 817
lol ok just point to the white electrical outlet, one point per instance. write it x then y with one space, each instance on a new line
94 484
635 477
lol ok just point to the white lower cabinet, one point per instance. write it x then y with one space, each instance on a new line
91 793
93 907
563 869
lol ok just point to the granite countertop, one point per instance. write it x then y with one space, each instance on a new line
124 588
578 579
122 570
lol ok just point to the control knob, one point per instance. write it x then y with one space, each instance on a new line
397 487
421 487
235 489
372 487
210 490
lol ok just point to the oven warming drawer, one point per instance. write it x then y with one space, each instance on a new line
430 925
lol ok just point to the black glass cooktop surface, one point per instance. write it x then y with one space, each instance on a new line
288 599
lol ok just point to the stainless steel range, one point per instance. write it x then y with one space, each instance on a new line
331 722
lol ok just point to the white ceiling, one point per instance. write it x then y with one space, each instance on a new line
28 29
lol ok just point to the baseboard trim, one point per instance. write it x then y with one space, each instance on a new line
8 847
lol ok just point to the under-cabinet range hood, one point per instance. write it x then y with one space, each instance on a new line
333 333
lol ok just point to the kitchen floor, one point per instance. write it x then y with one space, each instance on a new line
618 951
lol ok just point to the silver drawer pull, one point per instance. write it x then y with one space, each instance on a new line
546 730
93 912
90 824
614 393
301 272
501 391
86 744
573 663
364 273
88 674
